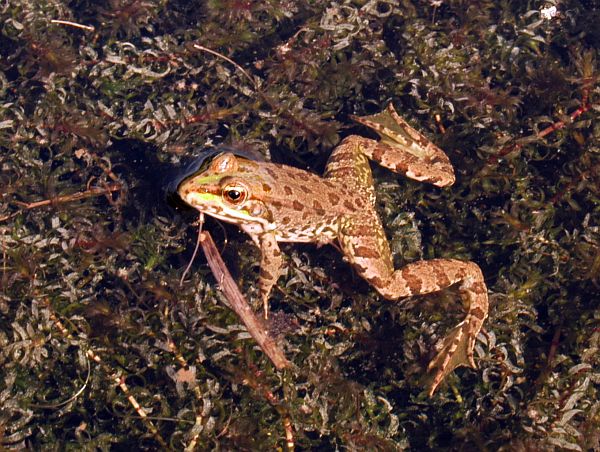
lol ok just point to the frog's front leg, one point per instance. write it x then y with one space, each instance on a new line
270 266
403 149
370 255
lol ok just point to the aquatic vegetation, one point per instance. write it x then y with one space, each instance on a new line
100 346
127 17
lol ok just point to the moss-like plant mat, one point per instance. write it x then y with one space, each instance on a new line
102 349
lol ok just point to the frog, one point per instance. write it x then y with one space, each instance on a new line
276 203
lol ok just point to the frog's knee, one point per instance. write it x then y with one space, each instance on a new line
388 288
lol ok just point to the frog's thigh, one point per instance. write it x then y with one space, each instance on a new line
365 246
270 267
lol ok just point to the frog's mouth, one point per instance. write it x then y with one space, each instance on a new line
211 204
204 201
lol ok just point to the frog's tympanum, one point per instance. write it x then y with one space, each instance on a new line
276 203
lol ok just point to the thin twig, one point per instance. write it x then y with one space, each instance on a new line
554 343
273 104
494 159
191 447
89 193
438 121
74 396
106 168
229 60
289 434
254 325
189 266
560 124
72 24
253 381
3 262
119 380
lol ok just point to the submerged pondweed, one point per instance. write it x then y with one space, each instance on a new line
100 345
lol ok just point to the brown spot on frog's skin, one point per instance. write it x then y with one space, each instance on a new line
359 268
479 287
306 189
266 188
333 199
363 230
376 281
413 281
401 168
337 158
271 172
440 276
264 273
479 313
343 173
292 174
365 251
461 273
317 204
285 220
348 205
297 205
288 191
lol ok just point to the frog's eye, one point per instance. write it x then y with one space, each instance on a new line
235 194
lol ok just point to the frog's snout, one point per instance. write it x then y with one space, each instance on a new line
186 190
188 196
195 196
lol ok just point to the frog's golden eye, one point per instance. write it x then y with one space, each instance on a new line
235 194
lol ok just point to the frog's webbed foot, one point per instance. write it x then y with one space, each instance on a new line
457 350
405 150
270 267
457 347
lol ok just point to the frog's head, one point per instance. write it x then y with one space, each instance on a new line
227 187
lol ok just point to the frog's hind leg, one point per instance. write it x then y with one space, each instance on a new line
371 258
430 276
404 150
